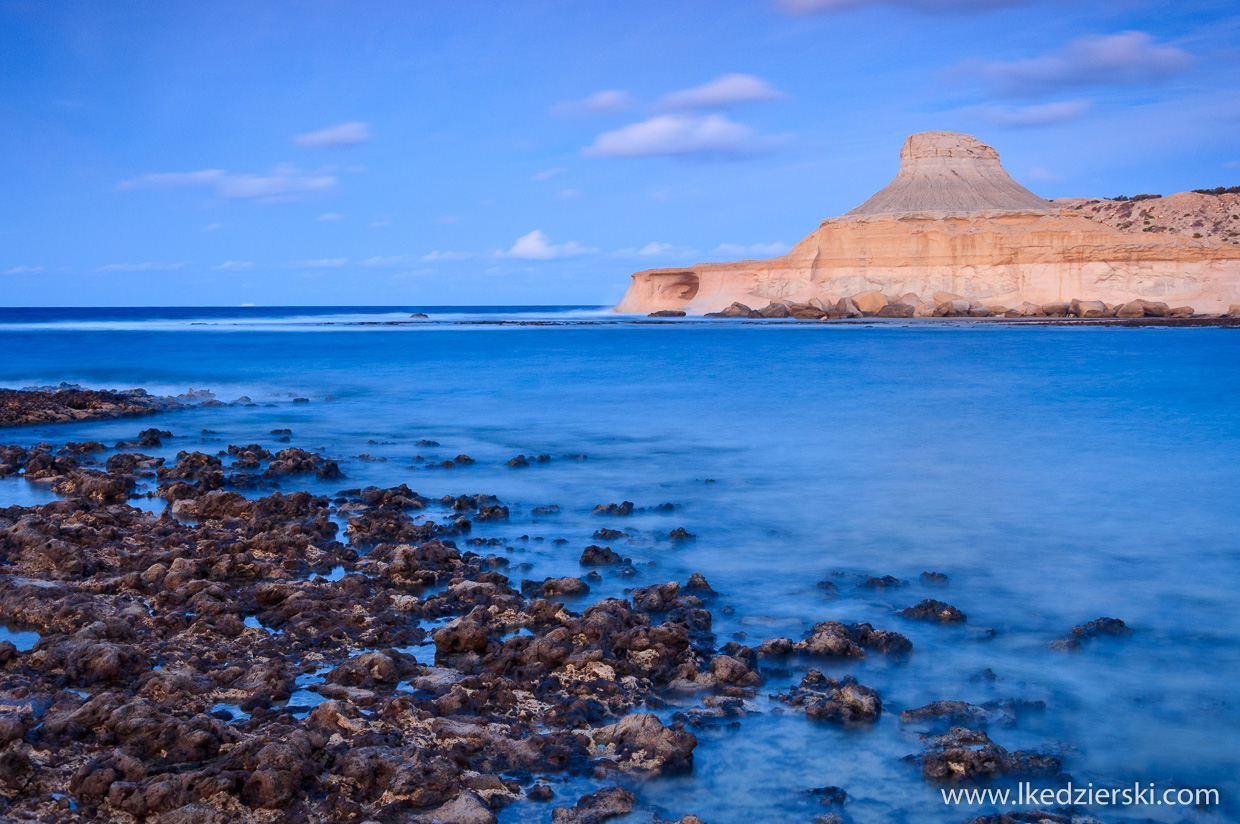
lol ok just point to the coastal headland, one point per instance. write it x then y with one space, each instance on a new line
954 235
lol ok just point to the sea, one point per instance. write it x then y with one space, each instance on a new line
1054 474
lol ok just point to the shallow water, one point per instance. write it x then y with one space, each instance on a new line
1055 474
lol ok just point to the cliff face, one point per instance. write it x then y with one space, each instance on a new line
954 221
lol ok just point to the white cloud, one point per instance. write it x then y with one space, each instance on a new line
211 227
389 260
378 224
537 246
235 264
283 183
329 216
140 267
437 255
604 102
324 263
547 174
812 6
24 270
167 180
448 220
344 134
1130 58
757 250
725 90
568 194
1043 114
673 134
656 249
1232 164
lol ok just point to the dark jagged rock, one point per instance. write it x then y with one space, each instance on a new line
1081 633
935 611
842 701
625 508
595 555
964 754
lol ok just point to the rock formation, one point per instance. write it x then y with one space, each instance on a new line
953 222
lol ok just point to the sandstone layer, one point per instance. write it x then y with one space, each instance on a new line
954 222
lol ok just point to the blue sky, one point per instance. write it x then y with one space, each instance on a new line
467 152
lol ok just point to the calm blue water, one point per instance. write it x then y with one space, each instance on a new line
1055 474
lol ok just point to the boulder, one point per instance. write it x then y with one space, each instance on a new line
896 310
775 310
910 299
667 313
926 310
1155 309
869 302
1057 309
640 741
848 309
946 297
1181 311
737 310
1087 308
956 308
598 806
1233 311
1132 309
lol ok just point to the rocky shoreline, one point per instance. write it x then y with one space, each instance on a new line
70 402
231 659
874 304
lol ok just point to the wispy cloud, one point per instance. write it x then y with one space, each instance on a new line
547 174
725 90
329 216
736 251
139 267
283 183
604 102
24 270
437 255
568 194
958 6
323 263
389 260
656 249
1042 114
168 180
537 246
235 264
334 137
1130 58
211 227
674 134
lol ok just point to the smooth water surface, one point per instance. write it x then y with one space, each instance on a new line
1055 474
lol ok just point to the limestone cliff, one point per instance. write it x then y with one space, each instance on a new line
953 221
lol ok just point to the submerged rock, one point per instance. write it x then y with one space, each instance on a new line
936 611
964 754
1081 633
842 701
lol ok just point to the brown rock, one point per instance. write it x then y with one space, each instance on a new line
641 742
869 302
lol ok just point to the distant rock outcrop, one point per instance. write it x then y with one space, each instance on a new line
954 223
